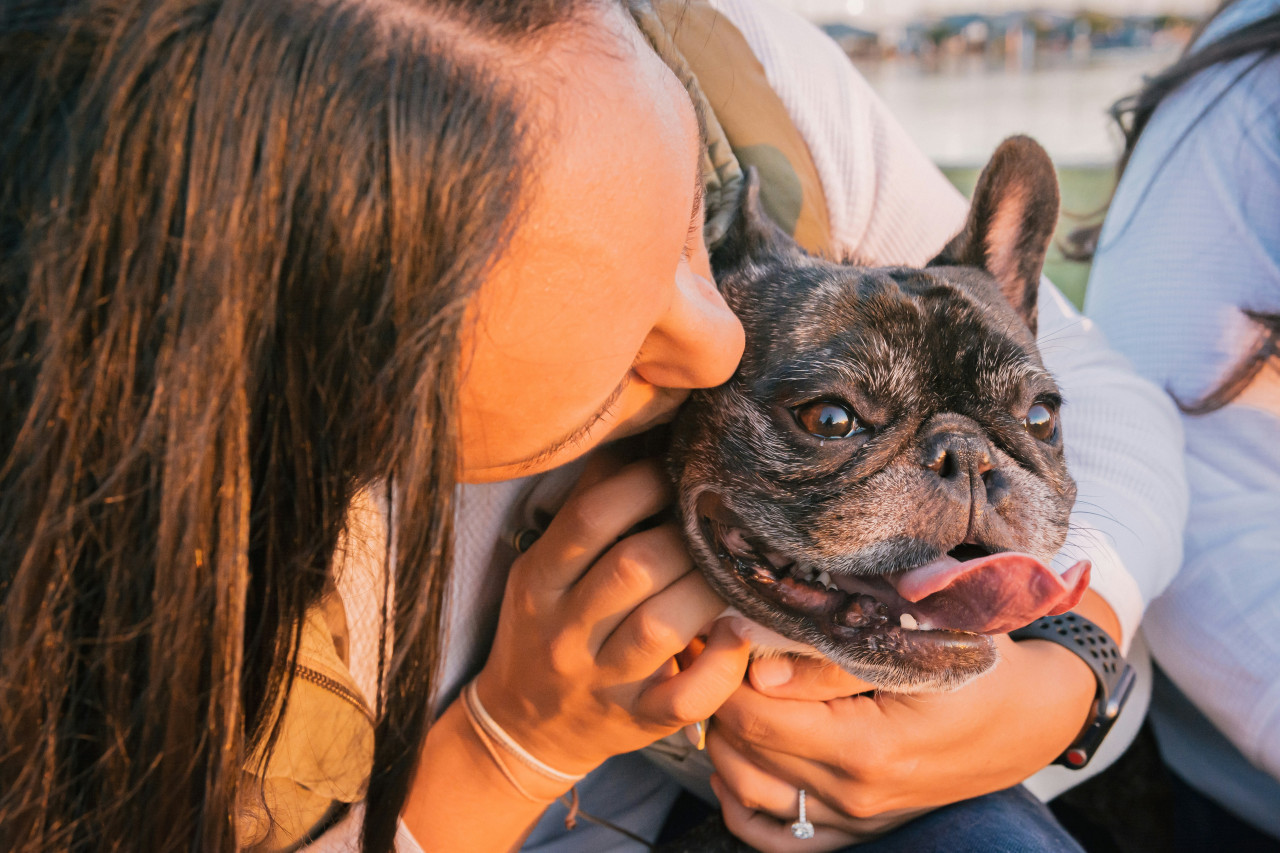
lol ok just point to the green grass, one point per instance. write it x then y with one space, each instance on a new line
1085 190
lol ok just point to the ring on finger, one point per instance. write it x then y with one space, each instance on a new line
802 828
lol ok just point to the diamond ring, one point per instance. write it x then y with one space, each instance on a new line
802 828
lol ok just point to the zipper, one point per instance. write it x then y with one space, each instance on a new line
332 685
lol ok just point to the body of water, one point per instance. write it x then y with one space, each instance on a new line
958 116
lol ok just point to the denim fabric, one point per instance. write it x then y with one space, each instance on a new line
1008 821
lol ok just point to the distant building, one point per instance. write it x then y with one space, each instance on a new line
855 41
1014 40
879 15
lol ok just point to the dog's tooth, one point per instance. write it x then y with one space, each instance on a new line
825 579
909 622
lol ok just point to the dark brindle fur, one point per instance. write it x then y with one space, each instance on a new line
937 372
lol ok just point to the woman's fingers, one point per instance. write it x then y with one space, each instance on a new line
694 693
752 787
789 677
864 762
769 834
661 626
762 790
590 522
583 663
797 727
632 571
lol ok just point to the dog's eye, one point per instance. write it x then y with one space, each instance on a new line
825 419
1041 422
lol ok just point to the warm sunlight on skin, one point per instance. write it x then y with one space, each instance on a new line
602 313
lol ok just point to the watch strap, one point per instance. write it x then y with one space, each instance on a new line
1114 676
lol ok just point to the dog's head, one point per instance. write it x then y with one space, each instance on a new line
883 478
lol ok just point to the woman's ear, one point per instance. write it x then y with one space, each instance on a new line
752 236
1011 221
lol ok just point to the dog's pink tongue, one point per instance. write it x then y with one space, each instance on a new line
990 595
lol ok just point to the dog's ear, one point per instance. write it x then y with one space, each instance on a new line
752 236
1011 221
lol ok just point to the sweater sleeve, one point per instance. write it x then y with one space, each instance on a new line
889 205
1124 447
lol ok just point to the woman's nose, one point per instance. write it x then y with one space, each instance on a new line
697 343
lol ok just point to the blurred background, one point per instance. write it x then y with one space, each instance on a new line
961 76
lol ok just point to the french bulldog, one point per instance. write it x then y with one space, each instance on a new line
882 481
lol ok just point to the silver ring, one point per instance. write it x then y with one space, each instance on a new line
802 828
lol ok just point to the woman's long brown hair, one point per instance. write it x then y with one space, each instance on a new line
237 241
1259 40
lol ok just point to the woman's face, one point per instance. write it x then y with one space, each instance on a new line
602 313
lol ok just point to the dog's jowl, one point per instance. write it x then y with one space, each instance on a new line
883 479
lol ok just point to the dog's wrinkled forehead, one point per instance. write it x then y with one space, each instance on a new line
942 336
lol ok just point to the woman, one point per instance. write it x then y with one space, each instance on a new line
266 262
1185 282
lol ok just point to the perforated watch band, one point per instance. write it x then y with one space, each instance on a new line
1115 677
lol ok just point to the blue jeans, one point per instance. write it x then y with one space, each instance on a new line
1008 821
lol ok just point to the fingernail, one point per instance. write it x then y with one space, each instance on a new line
771 672
696 734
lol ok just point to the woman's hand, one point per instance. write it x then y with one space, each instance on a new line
871 761
582 663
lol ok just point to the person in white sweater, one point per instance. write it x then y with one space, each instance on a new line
1186 283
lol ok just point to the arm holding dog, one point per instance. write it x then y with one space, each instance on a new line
581 665
906 754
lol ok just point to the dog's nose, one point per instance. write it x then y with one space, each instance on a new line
952 455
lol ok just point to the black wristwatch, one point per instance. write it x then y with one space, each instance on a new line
1115 677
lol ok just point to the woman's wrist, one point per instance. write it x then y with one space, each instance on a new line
510 756
1096 609
460 798
1069 680
509 775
